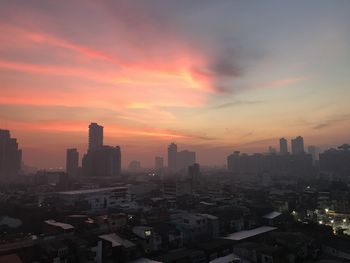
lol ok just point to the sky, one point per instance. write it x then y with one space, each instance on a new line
212 76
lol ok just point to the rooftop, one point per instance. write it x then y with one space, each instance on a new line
250 233
117 240
228 258
92 191
144 260
64 226
272 215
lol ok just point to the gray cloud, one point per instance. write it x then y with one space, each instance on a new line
331 121
235 103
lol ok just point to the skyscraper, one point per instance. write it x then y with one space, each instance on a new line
10 155
95 136
172 156
158 163
298 145
104 161
72 162
283 146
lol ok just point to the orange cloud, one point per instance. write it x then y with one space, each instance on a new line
110 130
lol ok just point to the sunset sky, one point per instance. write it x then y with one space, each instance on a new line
212 76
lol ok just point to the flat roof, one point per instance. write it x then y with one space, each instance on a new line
272 215
144 260
91 191
250 233
117 240
209 216
228 258
59 224
113 238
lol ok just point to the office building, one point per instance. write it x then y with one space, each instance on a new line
298 145
336 161
103 161
72 162
296 164
158 163
95 136
172 158
10 155
283 146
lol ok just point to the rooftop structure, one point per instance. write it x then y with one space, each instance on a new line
250 233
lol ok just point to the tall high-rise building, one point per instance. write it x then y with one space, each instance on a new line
158 163
172 158
10 155
103 161
95 136
283 146
72 162
298 145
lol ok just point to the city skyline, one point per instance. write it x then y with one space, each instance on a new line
213 77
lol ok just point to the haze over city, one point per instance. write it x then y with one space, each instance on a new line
212 76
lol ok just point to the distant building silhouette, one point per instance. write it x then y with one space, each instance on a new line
95 136
100 160
10 155
298 145
103 161
336 161
158 163
172 158
283 146
254 164
72 162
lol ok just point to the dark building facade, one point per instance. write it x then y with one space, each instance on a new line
336 161
103 161
72 162
95 136
172 158
10 155
275 164
298 145
283 146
